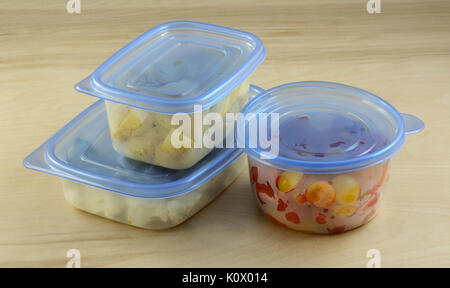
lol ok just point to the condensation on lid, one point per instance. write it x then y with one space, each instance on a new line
328 134
176 65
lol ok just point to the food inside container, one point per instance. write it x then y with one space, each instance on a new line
146 136
150 213
332 163
100 181
319 203
176 67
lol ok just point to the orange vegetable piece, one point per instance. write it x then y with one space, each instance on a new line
300 198
321 194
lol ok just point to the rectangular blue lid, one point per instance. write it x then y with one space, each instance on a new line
82 151
175 65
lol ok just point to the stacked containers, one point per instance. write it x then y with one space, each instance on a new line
176 67
117 158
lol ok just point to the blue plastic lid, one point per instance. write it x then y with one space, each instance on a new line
82 152
328 127
175 65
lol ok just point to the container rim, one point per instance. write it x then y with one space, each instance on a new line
328 167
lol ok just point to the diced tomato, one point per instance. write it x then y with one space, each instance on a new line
292 217
281 205
261 188
259 198
270 191
321 218
338 229
264 189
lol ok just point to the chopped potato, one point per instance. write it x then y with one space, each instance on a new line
146 136
150 213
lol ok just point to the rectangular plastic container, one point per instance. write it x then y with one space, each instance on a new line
98 180
170 69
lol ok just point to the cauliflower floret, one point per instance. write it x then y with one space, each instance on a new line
147 136
181 208
130 123
140 146
72 194
115 207
142 211
95 202
148 212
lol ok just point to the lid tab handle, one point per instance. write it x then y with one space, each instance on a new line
412 123
258 91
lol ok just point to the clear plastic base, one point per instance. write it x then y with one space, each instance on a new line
150 213
319 203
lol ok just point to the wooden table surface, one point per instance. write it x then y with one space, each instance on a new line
401 54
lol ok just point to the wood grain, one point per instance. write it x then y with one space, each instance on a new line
402 54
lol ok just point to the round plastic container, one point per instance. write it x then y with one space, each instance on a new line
171 69
98 180
332 166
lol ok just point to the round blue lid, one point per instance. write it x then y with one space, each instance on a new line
328 127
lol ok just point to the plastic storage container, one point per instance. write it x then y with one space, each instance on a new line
170 69
332 165
100 181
